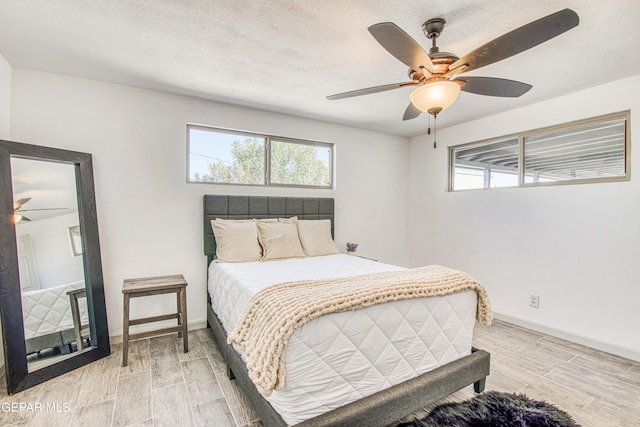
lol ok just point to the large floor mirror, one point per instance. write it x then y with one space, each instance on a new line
52 305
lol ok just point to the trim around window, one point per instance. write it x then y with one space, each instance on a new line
232 157
585 151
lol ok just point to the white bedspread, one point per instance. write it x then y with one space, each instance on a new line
49 310
236 283
341 357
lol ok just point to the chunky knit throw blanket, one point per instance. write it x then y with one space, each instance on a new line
274 313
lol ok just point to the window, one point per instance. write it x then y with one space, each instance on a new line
494 164
223 156
593 150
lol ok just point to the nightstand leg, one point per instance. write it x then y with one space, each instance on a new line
77 326
179 309
183 318
125 334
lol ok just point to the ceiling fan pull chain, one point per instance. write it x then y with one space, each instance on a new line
435 130
429 128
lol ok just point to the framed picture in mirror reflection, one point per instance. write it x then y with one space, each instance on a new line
75 240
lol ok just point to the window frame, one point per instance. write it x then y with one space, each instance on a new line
521 137
267 157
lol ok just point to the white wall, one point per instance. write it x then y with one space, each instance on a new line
5 97
150 220
55 263
577 246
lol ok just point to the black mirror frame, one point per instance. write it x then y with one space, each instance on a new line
15 357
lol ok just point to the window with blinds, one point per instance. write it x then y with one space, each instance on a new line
593 150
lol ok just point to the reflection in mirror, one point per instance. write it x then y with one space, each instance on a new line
54 304
75 240
53 191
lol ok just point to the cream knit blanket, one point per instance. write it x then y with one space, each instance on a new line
274 313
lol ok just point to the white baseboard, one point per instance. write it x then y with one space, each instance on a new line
606 346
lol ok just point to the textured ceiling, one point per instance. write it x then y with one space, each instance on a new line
50 185
288 55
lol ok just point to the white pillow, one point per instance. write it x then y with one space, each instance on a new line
315 237
279 240
236 240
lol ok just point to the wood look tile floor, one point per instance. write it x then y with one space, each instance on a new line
164 387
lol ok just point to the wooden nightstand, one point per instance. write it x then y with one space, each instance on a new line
79 329
145 286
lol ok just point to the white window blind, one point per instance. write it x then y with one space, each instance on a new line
593 150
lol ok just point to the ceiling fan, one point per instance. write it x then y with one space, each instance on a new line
437 74
17 210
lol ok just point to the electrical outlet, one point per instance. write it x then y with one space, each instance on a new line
534 300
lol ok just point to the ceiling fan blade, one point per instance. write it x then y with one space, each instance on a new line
494 87
369 90
519 40
401 45
20 202
43 209
411 112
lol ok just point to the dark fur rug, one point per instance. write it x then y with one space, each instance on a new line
494 409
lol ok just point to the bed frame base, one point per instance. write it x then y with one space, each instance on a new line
379 409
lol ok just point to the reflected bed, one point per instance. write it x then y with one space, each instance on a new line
48 318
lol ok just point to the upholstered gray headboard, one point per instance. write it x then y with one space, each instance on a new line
247 207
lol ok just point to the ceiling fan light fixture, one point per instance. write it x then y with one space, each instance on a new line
433 97
17 218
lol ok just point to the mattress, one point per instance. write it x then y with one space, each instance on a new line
342 357
49 310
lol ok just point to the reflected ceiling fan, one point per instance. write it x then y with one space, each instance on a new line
437 74
17 210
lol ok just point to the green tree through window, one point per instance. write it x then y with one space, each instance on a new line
297 164
240 159
246 166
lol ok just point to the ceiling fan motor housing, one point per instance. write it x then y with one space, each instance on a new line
441 62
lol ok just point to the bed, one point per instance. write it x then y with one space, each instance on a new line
48 317
383 380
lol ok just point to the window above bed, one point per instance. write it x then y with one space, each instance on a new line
587 151
222 156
